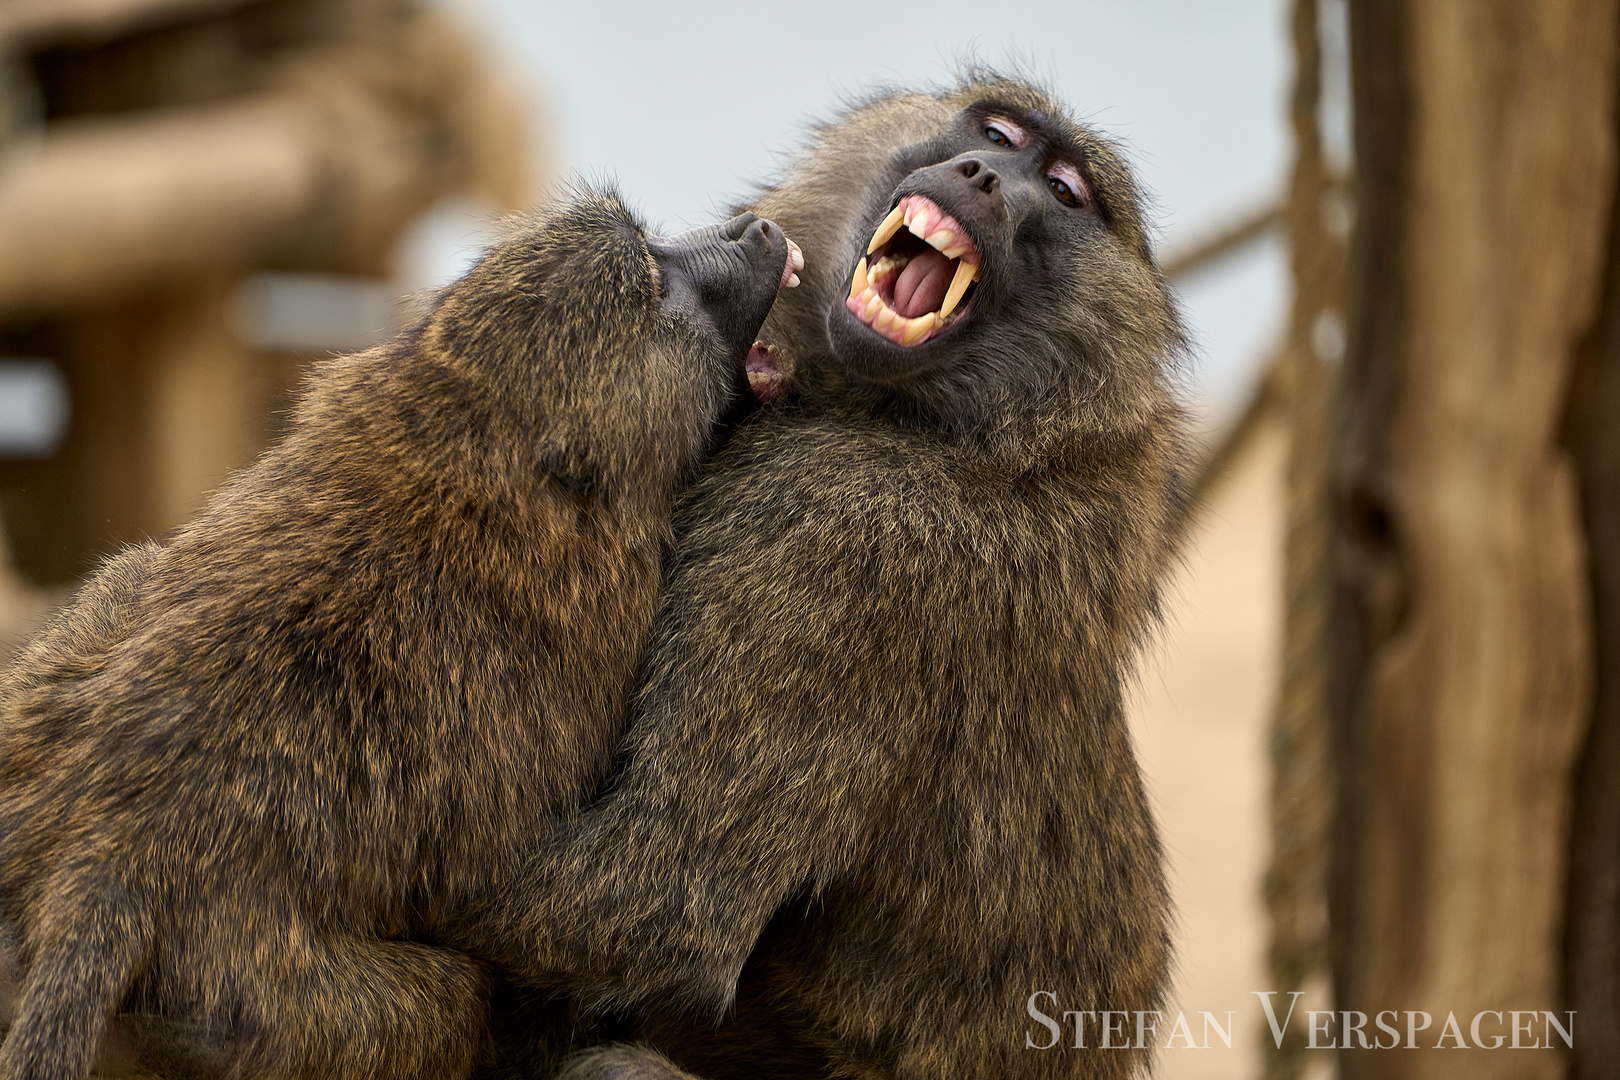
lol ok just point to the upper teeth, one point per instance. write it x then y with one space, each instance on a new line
928 223
937 229
966 273
890 226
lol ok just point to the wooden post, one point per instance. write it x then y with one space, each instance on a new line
167 400
1593 937
1485 150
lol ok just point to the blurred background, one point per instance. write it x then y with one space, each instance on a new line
1382 728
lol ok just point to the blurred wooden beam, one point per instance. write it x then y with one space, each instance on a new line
1205 251
1265 405
27 22
99 206
319 172
1485 153
157 175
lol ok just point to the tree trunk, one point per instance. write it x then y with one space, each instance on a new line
1463 631
1594 886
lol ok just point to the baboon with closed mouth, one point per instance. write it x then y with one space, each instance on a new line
878 786
244 776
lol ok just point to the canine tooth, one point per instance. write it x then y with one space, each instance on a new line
941 239
871 307
916 328
858 283
966 273
890 226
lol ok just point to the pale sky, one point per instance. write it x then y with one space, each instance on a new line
688 105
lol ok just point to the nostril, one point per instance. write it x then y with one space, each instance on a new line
970 169
989 183
759 234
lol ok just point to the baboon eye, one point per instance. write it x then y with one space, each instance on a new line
1003 132
1066 184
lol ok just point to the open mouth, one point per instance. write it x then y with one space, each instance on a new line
919 277
765 377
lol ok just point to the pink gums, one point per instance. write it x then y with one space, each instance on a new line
764 378
921 285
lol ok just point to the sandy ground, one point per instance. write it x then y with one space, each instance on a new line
1200 716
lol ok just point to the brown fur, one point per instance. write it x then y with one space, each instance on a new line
245 775
879 787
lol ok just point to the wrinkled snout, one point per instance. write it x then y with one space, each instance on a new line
727 275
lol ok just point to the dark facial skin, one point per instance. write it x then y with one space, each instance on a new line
1016 192
724 279
1069 315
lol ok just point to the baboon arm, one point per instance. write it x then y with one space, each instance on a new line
735 794
664 886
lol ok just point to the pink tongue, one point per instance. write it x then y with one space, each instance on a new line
921 286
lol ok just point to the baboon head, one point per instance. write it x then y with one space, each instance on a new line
618 348
976 256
